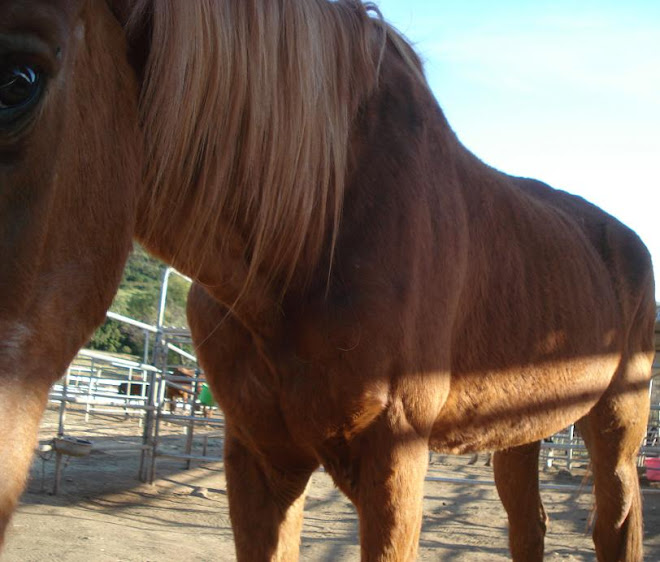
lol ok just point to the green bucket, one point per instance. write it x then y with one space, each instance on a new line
206 397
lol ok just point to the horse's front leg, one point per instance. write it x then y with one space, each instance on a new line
265 502
385 480
21 406
267 472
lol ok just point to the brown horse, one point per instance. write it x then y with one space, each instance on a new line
366 287
182 389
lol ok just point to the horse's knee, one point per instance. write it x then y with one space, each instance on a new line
262 492
618 530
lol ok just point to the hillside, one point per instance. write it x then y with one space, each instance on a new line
137 298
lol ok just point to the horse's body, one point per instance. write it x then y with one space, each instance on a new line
366 288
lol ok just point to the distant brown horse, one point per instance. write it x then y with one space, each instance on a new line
366 288
183 388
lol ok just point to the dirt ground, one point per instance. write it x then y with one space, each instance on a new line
105 514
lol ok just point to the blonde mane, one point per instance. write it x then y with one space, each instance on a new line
247 107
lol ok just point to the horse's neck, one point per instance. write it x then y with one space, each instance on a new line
244 181
222 274
196 224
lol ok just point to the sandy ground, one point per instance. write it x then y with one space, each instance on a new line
105 514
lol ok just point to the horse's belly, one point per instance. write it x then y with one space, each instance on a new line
500 409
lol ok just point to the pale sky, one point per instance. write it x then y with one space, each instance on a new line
567 92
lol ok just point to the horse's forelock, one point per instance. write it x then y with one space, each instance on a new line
247 108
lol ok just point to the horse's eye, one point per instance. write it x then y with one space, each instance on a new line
20 85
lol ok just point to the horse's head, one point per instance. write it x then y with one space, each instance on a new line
69 165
